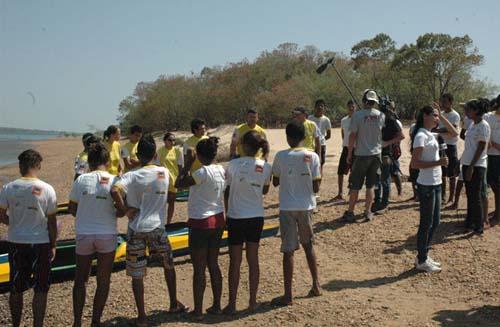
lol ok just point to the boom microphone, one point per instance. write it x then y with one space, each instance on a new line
323 66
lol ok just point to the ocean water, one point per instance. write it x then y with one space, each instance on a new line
12 143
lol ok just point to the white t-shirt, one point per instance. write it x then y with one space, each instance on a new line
494 121
206 197
146 189
296 168
479 132
246 177
323 124
344 124
467 122
454 118
29 201
427 140
96 213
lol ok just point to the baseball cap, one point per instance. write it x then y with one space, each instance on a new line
299 110
371 95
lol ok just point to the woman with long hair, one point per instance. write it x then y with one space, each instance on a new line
112 136
425 158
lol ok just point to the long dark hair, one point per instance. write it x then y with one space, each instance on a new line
112 129
252 142
480 106
207 148
419 123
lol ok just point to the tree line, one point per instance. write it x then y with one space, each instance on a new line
274 83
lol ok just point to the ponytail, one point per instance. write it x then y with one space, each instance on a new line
112 129
252 142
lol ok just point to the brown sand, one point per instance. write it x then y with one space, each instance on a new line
366 269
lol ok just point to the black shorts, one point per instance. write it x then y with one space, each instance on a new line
205 238
453 169
323 155
29 267
493 172
244 230
344 167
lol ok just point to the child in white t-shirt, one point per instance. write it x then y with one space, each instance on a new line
206 222
96 231
247 180
146 190
297 172
29 206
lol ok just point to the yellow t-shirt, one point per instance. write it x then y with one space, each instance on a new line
240 131
311 133
171 159
129 150
114 157
191 144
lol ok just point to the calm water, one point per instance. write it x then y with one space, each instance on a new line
13 143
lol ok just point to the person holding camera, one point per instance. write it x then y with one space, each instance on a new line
425 157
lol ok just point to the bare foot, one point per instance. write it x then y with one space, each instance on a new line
229 310
198 316
314 292
282 301
338 197
252 307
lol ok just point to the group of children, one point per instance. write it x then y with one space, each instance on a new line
142 192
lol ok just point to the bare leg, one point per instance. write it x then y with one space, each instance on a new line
171 279
288 276
83 265
215 279
199 260
39 305
235 254
341 186
353 198
313 268
16 308
453 182
458 190
369 199
171 206
486 222
104 268
443 189
138 288
252 252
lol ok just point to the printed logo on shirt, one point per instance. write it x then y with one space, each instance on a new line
259 168
36 191
307 158
160 175
104 180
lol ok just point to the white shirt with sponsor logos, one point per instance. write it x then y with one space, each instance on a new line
296 168
427 140
344 124
246 177
206 197
324 124
146 189
479 132
493 120
29 201
96 213
454 118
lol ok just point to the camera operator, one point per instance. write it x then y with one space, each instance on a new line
391 135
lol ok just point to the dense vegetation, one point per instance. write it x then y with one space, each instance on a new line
278 80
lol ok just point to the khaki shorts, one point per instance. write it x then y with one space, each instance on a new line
137 244
295 229
100 243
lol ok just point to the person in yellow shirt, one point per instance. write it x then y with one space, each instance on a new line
112 137
236 148
198 128
172 158
129 150
312 138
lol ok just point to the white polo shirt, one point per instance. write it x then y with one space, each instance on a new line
29 201
147 190
206 197
479 132
427 140
246 178
296 168
494 121
96 213
454 118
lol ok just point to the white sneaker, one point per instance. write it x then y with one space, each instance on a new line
435 263
428 267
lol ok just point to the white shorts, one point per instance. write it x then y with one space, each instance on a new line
90 244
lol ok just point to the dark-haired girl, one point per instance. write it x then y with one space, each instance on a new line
112 141
96 231
206 222
425 157
247 179
474 162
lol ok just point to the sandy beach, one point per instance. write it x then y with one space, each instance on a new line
366 269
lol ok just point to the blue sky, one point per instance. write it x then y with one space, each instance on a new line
79 59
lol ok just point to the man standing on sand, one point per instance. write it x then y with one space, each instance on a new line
366 132
453 168
344 167
324 126
236 149
311 140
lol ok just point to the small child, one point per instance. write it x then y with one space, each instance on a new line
28 206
